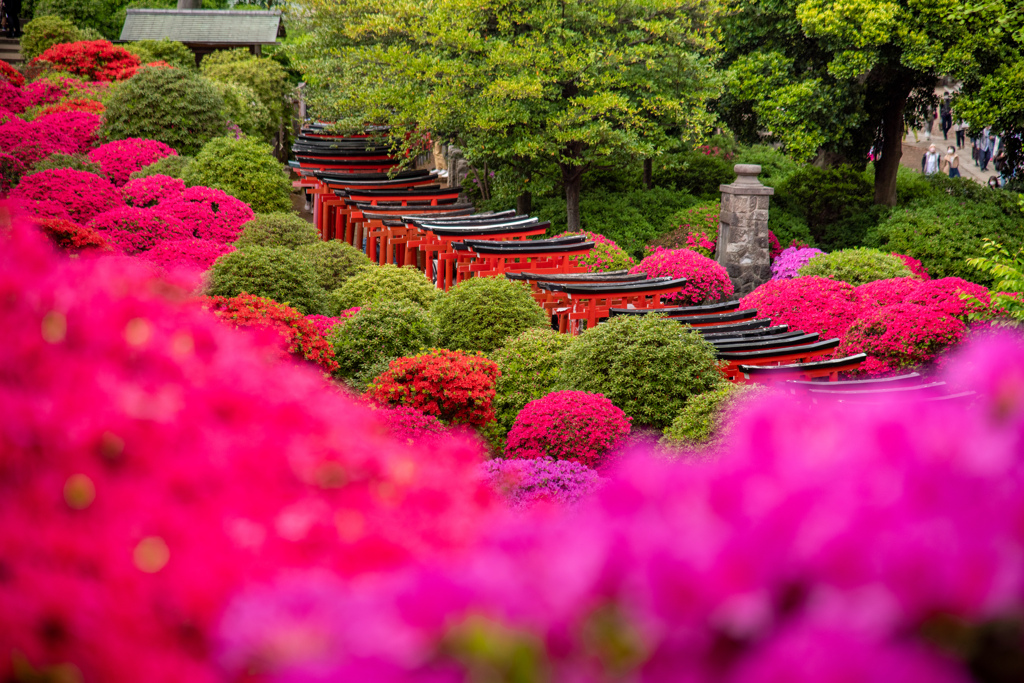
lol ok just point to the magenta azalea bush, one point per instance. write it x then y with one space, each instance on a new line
82 194
41 209
708 281
42 92
63 133
152 190
410 425
946 295
323 323
189 253
833 543
211 214
887 292
811 304
915 266
12 98
605 256
525 483
568 425
901 336
120 158
790 260
133 230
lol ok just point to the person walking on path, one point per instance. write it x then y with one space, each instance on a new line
961 132
930 161
951 162
945 116
984 149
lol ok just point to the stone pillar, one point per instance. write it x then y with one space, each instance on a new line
743 230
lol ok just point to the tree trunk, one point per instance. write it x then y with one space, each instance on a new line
892 150
190 4
524 203
648 173
571 178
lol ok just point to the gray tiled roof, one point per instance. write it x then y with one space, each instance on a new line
202 26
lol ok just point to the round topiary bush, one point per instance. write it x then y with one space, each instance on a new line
191 254
707 279
455 387
244 168
43 32
388 283
647 365
272 272
529 366
480 314
152 190
568 425
811 304
524 483
244 109
212 214
385 329
605 256
174 106
704 424
170 51
791 260
94 60
120 158
173 166
83 195
856 266
132 230
267 78
277 230
901 337
334 261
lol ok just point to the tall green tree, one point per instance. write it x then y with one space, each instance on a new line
837 78
517 83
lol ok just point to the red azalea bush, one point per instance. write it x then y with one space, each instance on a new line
153 461
409 425
887 292
12 98
707 280
43 92
812 304
212 214
774 248
11 75
152 190
914 265
120 158
901 336
133 230
11 170
568 425
301 336
71 237
80 104
96 60
945 295
191 254
84 195
454 386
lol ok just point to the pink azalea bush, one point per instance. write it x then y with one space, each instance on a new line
901 336
887 292
946 294
790 260
64 132
41 209
605 256
211 214
153 461
568 425
152 190
133 230
83 195
833 543
190 253
323 323
42 92
11 170
811 304
80 129
914 265
120 158
707 280
525 483
409 425
12 98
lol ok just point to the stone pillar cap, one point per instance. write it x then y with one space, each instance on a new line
746 181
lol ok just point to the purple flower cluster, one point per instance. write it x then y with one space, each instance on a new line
789 262
524 483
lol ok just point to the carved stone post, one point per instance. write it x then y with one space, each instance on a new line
743 230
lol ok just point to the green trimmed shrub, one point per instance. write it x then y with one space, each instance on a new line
944 234
775 166
245 168
856 266
362 380
837 204
173 106
90 34
694 172
529 367
267 78
171 51
173 166
704 424
43 32
481 313
277 230
788 228
333 262
647 365
381 331
388 283
273 272
78 162
98 17
243 108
